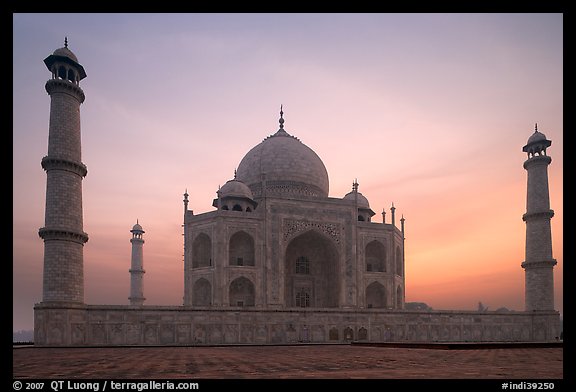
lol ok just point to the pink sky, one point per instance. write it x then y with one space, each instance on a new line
429 111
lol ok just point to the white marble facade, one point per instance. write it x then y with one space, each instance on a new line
277 261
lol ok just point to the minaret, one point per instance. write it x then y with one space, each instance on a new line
137 266
539 264
63 232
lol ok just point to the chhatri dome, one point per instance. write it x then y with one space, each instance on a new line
64 56
537 143
357 197
286 164
65 52
235 188
137 227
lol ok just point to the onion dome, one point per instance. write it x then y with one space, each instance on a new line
235 196
137 228
288 166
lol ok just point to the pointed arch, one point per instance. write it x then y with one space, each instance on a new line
202 251
311 268
399 298
375 295
202 293
399 269
241 249
71 76
62 72
241 292
348 334
375 257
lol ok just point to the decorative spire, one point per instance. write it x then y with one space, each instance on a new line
234 173
355 185
281 121
185 200
535 127
66 42
383 215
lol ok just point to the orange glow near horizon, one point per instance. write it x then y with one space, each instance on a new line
429 112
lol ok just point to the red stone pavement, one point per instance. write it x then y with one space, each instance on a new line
285 362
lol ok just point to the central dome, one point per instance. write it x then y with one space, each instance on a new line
289 167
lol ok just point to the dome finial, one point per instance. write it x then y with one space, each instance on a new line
281 121
234 173
535 127
65 42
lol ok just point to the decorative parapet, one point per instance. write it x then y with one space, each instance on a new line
48 234
65 86
537 215
54 163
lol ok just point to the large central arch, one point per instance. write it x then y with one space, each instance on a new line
312 272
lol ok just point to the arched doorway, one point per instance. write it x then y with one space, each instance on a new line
375 295
202 251
241 249
202 293
398 261
375 257
311 272
399 300
241 292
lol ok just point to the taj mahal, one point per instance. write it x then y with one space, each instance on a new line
277 261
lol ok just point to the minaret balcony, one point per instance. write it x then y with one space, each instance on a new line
538 215
539 264
65 86
54 163
48 234
537 160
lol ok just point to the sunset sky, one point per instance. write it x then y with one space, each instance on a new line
428 111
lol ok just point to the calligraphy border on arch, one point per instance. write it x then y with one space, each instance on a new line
291 227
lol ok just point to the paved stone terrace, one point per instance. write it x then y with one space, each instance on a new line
285 362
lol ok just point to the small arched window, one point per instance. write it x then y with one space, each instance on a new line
71 76
62 72
237 207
